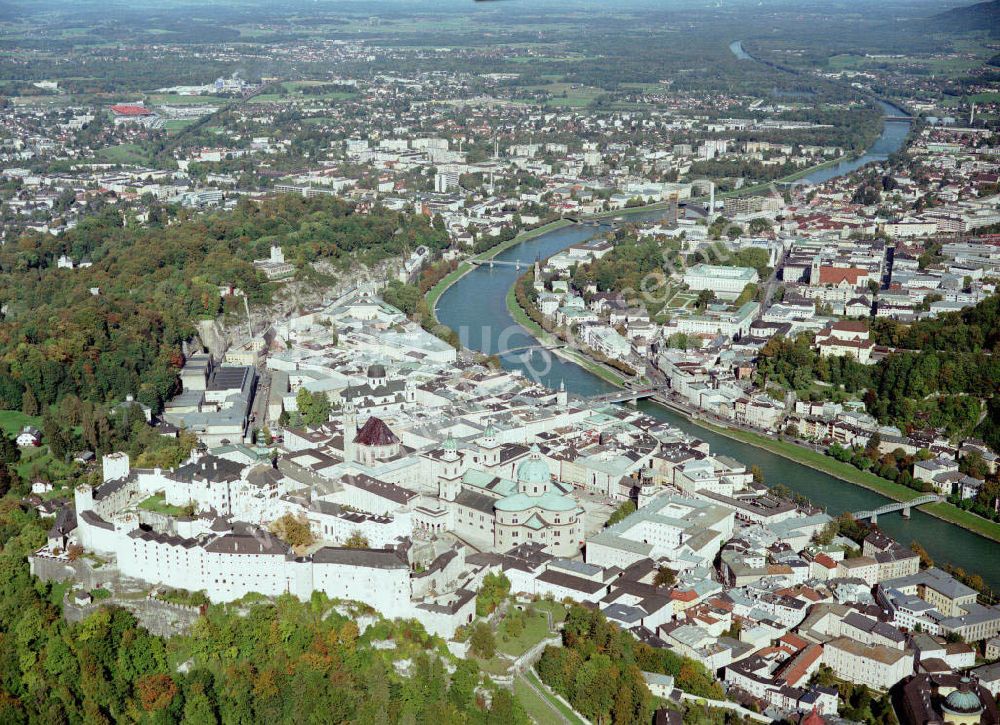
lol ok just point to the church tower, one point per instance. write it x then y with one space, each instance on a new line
450 481
562 397
350 430
489 447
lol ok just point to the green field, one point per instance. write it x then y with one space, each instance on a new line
175 99
12 421
293 92
681 300
126 153
176 124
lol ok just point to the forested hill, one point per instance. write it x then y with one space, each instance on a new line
115 328
974 329
945 372
981 16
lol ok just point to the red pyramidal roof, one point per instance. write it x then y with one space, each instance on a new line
375 433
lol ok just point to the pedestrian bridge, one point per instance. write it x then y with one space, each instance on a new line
889 508
516 264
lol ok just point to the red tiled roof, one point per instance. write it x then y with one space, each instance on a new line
375 433
836 275
824 560
128 110
796 667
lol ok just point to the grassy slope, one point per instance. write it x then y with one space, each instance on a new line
12 421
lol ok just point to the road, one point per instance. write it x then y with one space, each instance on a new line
772 283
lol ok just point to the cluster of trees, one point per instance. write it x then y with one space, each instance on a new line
271 662
294 531
633 267
620 513
859 703
408 299
896 466
103 332
599 670
792 363
313 408
494 590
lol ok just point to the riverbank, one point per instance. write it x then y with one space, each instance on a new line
846 472
434 293
545 337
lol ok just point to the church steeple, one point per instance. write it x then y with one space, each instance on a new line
350 428
489 447
450 480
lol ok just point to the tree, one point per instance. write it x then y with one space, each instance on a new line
758 473
482 642
623 511
494 590
9 452
705 298
29 403
665 577
356 540
294 531
313 407
926 561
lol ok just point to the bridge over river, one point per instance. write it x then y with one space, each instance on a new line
903 506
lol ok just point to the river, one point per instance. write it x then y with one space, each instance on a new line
475 307
892 137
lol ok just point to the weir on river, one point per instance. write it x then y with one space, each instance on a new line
475 308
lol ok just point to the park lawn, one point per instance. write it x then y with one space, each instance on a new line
157 504
13 421
567 712
536 629
537 708
34 460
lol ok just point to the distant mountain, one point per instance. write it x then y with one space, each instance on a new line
981 16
